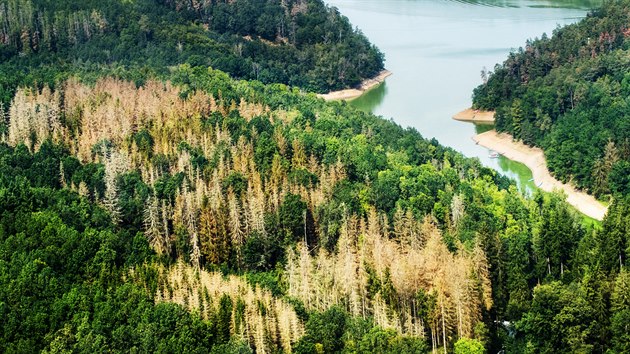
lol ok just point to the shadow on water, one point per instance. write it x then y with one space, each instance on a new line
520 173
370 100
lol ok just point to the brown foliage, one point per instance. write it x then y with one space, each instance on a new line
266 322
417 260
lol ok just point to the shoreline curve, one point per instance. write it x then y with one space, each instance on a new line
352 93
534 159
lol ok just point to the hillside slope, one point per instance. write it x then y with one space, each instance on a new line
569 94
302 43
178 209
317 202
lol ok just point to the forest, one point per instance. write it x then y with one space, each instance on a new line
282 223
569 94
302 43
188 210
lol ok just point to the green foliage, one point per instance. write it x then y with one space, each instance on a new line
67 272
558 321
271 280
620 320
526 241
301 43
619 178
556 239
262 253
576 314
235 182
382 341
232 347
469 346
292 217
568 95
144 142
334 332
61 271
324 332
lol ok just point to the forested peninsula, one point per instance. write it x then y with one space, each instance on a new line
152 200
568 94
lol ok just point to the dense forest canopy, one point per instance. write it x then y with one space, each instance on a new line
341 216
569 94
178 209
302 43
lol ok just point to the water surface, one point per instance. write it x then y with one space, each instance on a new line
437 49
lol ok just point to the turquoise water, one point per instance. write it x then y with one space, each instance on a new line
437 49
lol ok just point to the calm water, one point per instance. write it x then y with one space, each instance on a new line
437 49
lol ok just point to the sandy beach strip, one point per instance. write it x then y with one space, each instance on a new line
534 159
475 116
356 92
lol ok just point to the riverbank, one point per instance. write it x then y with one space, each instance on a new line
349 94
534 159
475 116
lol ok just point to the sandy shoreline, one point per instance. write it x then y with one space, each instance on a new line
356 92
534 159
475 116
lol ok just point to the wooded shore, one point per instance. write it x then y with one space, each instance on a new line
534 159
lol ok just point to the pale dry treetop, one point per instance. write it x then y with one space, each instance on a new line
34 117
266 320
365 250
115 164
403 255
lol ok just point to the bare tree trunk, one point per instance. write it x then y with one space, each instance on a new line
548 267
433 340
443 327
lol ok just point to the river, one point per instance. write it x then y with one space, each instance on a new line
436 50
